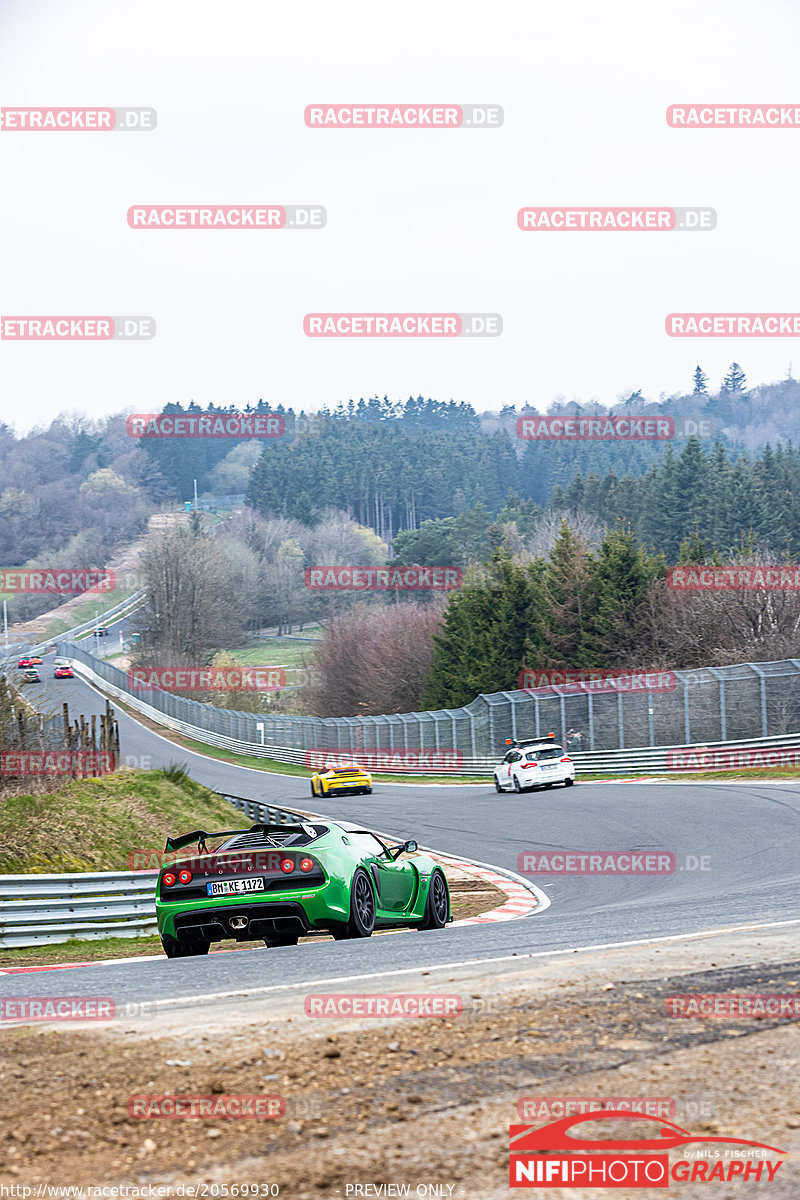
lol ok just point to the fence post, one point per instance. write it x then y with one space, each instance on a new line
722 714
650 722
620 722
686 724
762 687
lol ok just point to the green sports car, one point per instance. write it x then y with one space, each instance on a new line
278 882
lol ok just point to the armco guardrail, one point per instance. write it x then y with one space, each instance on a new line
40 909
44 909
109 617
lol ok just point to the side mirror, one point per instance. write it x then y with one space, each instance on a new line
410 847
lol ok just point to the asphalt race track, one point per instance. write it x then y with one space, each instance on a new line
749 833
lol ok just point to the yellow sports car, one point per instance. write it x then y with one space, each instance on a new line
340 781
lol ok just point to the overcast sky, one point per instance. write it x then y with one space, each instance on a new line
417 220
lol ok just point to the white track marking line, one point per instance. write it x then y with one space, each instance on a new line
468 962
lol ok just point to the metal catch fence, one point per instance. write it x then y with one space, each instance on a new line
707 705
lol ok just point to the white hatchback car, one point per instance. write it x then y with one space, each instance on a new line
534 764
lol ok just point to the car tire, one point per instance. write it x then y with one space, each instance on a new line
313 788
517 785
497 787
175 949
437 907
568 782
368 791
362 907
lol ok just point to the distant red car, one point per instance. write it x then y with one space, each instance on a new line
64 673
24 662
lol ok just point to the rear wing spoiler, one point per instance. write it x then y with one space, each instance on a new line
201 836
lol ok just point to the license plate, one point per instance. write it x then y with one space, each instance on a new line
235 887
549 768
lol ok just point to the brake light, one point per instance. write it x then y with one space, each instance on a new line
169 879
306 864
185 876
530 764
566 758
287 865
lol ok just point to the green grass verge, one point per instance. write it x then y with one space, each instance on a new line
735 775
273 652
76 950
94 824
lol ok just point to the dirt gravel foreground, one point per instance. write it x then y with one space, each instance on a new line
418 1104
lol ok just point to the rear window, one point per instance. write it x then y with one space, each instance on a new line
539 753
291 835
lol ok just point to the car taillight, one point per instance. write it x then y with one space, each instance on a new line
566 758
185 876
306 864
169 879
287 865
530 764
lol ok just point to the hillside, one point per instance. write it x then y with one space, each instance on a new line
96 824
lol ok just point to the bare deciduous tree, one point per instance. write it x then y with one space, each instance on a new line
374 659
192 607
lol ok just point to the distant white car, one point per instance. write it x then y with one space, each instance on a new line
536 763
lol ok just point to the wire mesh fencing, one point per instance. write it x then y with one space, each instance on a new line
710 704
